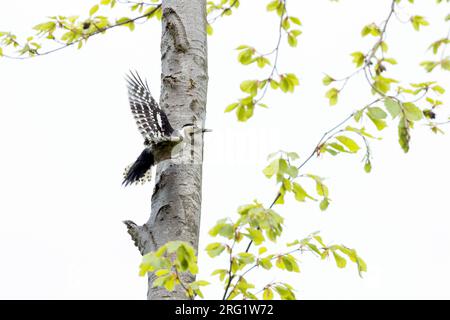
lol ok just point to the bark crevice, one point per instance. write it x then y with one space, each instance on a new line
176 29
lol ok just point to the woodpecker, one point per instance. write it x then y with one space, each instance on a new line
154 126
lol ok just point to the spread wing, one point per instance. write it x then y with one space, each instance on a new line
152 122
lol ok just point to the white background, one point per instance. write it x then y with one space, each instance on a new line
66 134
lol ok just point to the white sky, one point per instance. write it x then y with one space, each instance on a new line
66 134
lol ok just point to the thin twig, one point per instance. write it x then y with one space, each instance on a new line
222 12
276 50
183 285
89 36
230 276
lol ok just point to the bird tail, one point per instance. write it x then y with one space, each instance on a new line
140 170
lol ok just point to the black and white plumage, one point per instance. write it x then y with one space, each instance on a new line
152 123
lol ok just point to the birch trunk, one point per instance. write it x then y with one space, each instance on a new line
176 200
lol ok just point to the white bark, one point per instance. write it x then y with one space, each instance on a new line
176 200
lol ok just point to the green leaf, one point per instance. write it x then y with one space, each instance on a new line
262 250
368 167
403 134
171 246
324 204
245 56
358 115
250 86
319 240
438 89
361 131
295 20
292 171
327 80
266 263
412 112
390 60
45 27
332 95
274 84
244 113
169 284
231 107
445 63
393 107
292 40
162 272
290 264
93 10
151 262
221 272
340 261
429 65
262 62
371 29
273 5
337 147
222 228
256 236
293 155
377 113
271 169
321 188
358 58
349 143
209 29
384 46
242 47
300 193
284 292
362 266
288 82
418 21
383 84
123 21
268 294
159 282
200 283
285 24
292 79
284 85
246 258
214 249
379 123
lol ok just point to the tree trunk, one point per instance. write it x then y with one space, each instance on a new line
176 200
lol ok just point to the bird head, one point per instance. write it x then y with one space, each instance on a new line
190 129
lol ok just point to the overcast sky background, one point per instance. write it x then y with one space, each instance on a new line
66 134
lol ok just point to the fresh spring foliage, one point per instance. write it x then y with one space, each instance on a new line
259 225
405 105
59 32
256 89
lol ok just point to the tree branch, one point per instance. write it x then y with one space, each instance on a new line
84 38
